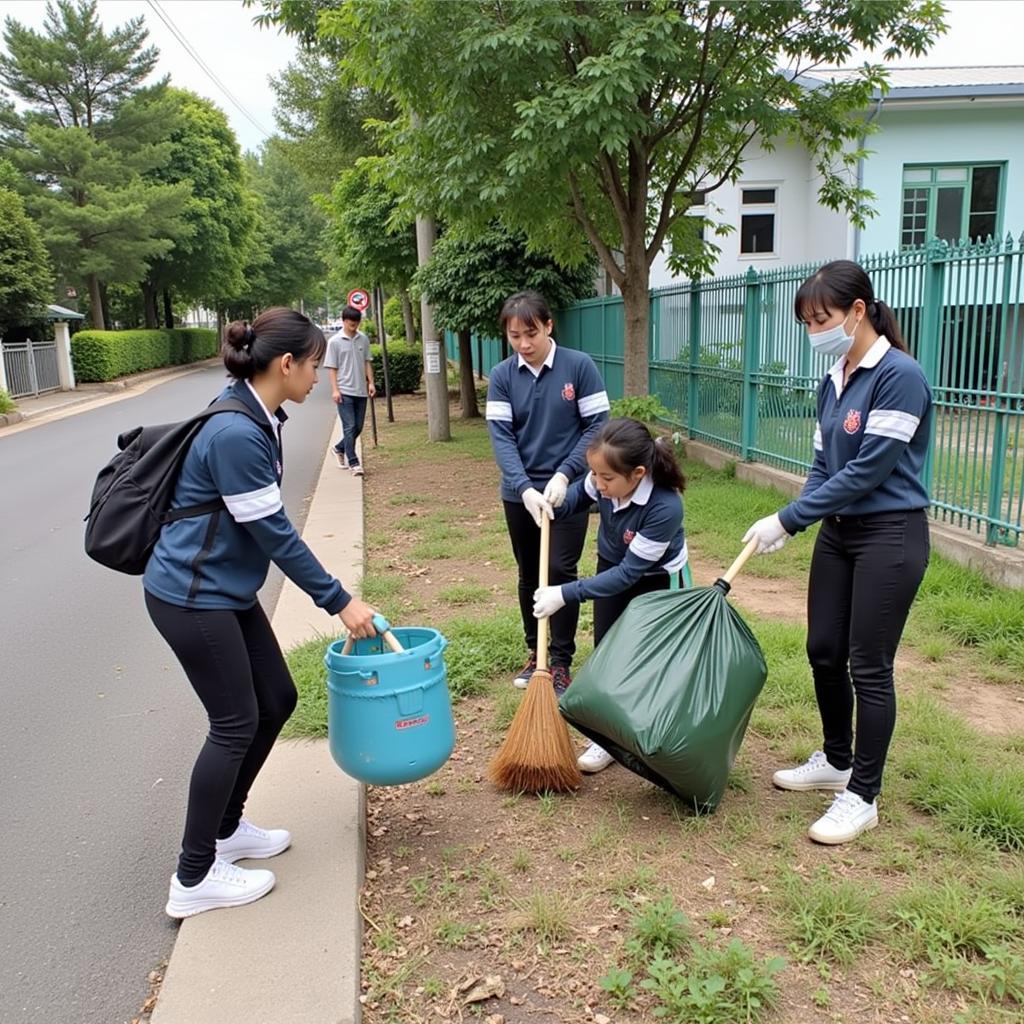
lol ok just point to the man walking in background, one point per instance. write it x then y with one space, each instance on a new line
350 370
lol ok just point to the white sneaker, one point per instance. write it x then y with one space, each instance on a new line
248 841
814 773
848 816
225 885
340 458
357 470
594 759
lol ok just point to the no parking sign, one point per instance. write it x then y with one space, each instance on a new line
359 299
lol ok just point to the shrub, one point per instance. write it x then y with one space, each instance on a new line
646 408
6 402
105 355
405 368
394 320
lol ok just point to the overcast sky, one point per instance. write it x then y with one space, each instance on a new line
242 56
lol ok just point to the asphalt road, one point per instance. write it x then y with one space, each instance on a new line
98 728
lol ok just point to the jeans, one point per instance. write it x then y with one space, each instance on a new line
865 572
352 413
567 538
235 665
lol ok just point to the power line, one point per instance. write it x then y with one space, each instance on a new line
191 51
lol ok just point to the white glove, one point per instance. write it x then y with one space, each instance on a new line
537 505
770 534
554 493
547 601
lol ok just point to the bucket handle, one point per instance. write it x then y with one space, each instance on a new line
383 627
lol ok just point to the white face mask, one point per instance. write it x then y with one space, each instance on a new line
835 341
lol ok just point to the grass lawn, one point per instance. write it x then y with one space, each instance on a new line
615 904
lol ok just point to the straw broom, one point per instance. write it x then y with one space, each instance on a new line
537 754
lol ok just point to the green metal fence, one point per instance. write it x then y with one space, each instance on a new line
731 363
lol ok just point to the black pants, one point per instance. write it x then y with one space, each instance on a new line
567 538
865 572
608 609
235 665
352 413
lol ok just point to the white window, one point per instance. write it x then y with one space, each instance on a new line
758 214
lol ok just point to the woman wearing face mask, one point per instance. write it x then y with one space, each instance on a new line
873 430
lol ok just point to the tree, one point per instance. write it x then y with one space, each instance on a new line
596 122
282 258
364 242
470 276
25 278
207 259
89 133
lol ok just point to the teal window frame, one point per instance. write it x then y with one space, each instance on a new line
920 199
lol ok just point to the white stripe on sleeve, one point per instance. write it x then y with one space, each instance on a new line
499 411
648 550
253 505
892 423
591 405
818 444
679 561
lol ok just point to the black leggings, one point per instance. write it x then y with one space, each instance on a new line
865 572
567 538
235 665
608 609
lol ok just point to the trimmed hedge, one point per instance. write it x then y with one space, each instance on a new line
405 368
105 355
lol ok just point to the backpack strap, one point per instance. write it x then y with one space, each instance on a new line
223 405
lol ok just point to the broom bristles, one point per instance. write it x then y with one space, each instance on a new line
537 754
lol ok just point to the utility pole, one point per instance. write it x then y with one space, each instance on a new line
435 366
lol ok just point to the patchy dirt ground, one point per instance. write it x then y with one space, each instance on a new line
510 910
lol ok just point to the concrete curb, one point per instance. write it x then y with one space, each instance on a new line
294 956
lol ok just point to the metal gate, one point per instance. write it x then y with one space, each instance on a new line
31 367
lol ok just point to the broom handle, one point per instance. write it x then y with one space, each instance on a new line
741 559
383 627
542 578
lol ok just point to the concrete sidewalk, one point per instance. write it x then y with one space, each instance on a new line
294 956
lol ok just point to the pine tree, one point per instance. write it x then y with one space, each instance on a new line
89 131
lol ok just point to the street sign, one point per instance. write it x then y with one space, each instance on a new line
358 299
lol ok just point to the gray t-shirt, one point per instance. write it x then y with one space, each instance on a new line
349 357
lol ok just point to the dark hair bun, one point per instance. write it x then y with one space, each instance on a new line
236 349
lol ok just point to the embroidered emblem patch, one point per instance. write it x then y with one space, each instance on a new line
852 422
568 392
627 537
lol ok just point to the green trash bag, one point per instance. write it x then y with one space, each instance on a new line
669 691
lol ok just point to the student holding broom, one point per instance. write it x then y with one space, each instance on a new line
544 406
201 586
637 484
870 441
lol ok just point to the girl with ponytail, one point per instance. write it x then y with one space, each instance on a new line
637 484
870 442
201 585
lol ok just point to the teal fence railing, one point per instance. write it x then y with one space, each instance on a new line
733 367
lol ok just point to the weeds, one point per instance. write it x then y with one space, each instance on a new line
828 919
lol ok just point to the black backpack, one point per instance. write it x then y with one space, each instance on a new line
132 497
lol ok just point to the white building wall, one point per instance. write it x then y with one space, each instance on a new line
805 232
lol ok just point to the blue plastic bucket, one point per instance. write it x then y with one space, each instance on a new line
389 715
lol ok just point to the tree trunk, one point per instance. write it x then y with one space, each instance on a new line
105 303
467 386
410 323
149 305
435 366
168 309
637 313
96 302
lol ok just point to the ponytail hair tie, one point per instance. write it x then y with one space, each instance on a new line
250 336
